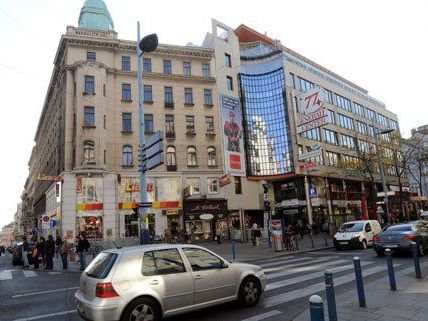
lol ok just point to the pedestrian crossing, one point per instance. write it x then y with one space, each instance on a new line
6 275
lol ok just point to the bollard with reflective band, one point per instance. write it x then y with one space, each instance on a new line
331 299
416 260
360 284
316 308
390 266
233 250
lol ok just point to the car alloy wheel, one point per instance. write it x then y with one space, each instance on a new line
142 312
142 309
250 291
364 245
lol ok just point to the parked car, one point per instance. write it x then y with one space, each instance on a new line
400 237
153 281
356 234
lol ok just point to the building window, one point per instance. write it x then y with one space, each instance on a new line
361 127
147 65
359 109
393 124
89 116
190 124
91 56
331 159
168 97
89 84
371 131
131 226
383 120
330 137
345 122
148 123
126 92
209 124
328 96
104 121
343 103
292 81
191 156
364 146
187 68
206 70
212 184
238 184
169 123
229 81
347 141
370 114
194 183
126 122
188 96
171 160
127 158
331 117
167 69
126 63
148 94
227 60
89 152
208 98
305 85
211 156
313 134
104 90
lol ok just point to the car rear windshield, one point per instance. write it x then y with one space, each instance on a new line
400 228
351 227
100 267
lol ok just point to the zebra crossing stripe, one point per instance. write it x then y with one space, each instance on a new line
29 274
286 261
306 277
6 275
289 271
317 287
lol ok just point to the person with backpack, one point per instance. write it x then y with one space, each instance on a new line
63 251
81 249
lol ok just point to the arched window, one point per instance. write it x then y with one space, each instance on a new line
89 152
191 156
211 156
127 157
171 160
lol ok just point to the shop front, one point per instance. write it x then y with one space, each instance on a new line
204 219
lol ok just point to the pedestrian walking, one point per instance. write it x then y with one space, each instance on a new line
25 252
50 252
81 248
253 233
35 254
257 236
43 250
58 243
218 235
63 251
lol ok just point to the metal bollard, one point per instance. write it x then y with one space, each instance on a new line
296 239
316 308
360 284
233 250
416 260
312 240
331 299
390 266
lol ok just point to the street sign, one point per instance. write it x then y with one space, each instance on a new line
154 161
319 119
52 223
157 136
154 149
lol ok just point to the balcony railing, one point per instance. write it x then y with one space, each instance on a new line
170 134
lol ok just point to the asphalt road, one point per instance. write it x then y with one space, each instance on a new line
40 295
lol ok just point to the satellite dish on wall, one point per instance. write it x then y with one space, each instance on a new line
149 43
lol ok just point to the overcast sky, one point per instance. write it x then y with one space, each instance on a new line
380 45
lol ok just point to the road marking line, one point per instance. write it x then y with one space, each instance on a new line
6 275
29 274
306 277
263 316
46 315
317 287
304 269
43 292
54 273
341 253
285 262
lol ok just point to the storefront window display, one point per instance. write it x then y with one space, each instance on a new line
91 226
131 226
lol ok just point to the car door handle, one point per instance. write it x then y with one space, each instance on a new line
198 277
154 282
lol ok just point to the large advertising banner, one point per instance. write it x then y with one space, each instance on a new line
312 113
233 136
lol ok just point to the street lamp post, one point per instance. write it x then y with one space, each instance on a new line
382 173
147 44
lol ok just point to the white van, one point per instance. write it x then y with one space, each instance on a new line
356 234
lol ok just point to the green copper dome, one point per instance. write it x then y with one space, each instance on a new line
94 15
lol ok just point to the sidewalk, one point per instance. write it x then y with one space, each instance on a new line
408 303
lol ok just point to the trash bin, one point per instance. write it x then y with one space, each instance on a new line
277 243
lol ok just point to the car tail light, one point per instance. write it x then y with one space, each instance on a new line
375 238
409 237
105 290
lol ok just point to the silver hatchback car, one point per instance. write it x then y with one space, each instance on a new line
149 282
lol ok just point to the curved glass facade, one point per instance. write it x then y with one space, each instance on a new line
266 124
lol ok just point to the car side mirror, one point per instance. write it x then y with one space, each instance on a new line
224 265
